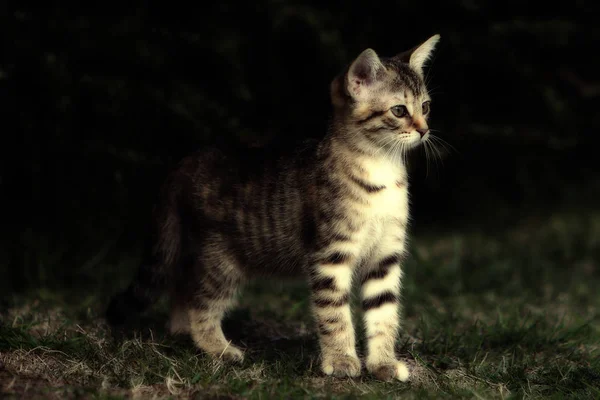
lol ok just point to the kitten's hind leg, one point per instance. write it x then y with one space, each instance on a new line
214 296
330 280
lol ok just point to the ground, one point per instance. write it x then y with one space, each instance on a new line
512 313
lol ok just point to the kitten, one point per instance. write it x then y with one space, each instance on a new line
335 211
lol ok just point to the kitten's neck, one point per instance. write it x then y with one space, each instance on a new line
377 166
352 144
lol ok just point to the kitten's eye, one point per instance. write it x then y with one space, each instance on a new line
426 107
399 111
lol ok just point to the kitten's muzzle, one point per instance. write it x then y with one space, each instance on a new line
423 131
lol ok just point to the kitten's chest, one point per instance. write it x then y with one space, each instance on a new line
382 219
390 200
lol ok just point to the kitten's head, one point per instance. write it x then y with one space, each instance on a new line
384 100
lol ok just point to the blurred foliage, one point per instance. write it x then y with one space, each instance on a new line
100 103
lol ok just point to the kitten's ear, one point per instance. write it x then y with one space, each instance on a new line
418 56
363 73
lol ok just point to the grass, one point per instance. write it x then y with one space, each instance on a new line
510 314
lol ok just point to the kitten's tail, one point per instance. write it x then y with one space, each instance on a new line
158 265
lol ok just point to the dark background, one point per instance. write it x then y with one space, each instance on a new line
98 104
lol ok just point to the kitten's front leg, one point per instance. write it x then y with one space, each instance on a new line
330 280
380 289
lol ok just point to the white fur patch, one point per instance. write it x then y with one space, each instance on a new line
381 171
402 373
341 275
393 200
389 246
375 316
381 341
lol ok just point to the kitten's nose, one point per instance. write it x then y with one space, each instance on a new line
423 131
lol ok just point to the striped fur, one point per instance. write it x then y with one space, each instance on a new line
332 210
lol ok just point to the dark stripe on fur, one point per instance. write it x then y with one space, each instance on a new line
378 273
325 302
382 268
324 330
322 284
339 237
329 237
364 185
213 287
381 128
337 258
390 260
379 300
374 114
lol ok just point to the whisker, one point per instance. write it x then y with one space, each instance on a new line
439 156
442 142
442 149
425 147
435 157
385 145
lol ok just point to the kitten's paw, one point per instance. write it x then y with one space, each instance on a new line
341 366
231 354
388 371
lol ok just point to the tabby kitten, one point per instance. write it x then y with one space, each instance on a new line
335 211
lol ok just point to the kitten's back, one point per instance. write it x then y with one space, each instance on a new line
252 200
